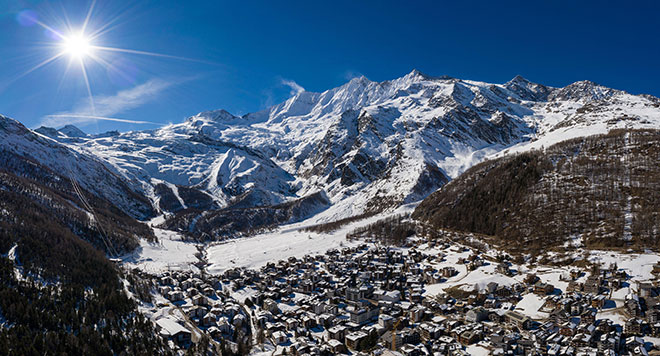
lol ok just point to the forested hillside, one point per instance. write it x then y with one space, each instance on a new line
59 294
599 191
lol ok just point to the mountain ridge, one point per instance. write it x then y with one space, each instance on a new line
368 146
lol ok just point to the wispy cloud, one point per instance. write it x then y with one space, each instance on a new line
107 106
295 87
92 117
350 74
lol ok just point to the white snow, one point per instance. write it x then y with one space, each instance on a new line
284 242
170 252
407 123
638 266
530 304
477 350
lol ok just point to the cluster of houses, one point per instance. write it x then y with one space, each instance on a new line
205 310
371 301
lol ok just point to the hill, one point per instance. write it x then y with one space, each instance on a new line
599 192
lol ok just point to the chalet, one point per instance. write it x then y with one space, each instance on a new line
531 279
172 330
504 269
656 269
337 332
598 302
271 306
354 339
568 329
223 325
633 326
449 271
291 324
209 320
385 321
280 337
336 347
191 292
239 320
469 337
430 331
588 316
362 315
541 288
196 311
518 320
416 314
633 307
175 296
592 285
199 300
166 281
645 289
476 315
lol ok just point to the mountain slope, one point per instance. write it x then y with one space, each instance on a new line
599 191
92 173
59 292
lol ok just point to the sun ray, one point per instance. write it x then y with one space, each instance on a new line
109 65
88 17
77 45
89 87
62 76
82 44
39 65
46 27
153 54
105 28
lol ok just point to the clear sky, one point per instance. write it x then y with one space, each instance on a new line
243 56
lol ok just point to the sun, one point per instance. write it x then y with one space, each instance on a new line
77 45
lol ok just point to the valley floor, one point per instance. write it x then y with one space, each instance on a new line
446 281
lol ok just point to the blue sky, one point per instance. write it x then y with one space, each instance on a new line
240 55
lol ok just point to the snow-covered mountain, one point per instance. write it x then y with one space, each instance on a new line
92 173
366 145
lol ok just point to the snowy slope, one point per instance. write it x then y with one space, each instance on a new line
368 145
90 172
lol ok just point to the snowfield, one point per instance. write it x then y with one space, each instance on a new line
171 252
285 242
638 266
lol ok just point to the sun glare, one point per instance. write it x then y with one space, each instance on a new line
83 45
77 46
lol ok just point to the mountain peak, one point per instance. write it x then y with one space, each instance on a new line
415 74
48 131
526 89
359 79
584 90
10 125
217 115
518 79
72 131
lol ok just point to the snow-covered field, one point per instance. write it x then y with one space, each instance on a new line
286 241
638 266
170 252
